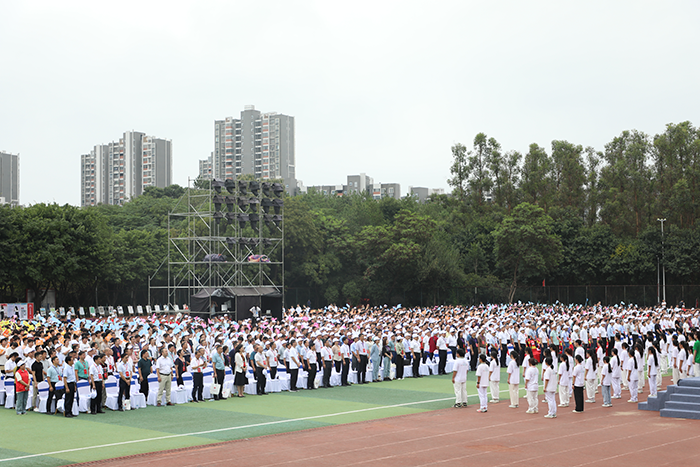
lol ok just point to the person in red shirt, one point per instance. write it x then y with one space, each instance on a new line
21 388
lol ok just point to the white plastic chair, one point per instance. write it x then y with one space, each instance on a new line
84 393
9 394
43 396
207 378
189 384
112 389
138 400
180 395
152 389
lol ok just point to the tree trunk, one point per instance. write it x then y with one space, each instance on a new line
514 284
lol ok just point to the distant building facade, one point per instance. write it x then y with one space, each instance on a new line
360 184
205 168
9 178
423 193
258 144
115 172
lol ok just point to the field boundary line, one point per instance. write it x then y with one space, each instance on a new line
218 430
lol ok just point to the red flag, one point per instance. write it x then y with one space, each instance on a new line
543 283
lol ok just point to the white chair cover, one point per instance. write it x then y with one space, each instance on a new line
189 384
112 389
43 396
181 396
273 385
84 393
9 393
152 389
208 378
335 378
138 400
2 389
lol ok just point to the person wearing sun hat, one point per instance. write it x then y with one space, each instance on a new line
21 387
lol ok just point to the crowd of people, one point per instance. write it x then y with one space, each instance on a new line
582 349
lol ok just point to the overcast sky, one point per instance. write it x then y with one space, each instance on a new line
381 87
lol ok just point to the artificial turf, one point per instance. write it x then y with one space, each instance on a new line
36 433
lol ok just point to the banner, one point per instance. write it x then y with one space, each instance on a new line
22 311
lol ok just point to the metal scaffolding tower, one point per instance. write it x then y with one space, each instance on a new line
227 236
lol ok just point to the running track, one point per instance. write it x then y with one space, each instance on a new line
620 436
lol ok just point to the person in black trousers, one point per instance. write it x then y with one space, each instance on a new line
260 364
124 370
579 383
345 354
144 367
327 364
198 366
416 364
311 367
400 359
69 382
96 381
362 363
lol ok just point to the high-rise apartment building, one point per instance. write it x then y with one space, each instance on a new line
9 178
115 172
258 144
205 168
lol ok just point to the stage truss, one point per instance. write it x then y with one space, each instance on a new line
238 221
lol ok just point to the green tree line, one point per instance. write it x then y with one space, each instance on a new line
567 215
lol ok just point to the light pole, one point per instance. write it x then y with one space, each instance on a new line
663 257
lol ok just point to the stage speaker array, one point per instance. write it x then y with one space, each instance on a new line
243 202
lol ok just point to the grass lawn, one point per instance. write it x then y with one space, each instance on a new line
114 434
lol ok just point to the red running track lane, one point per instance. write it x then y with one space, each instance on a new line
620 436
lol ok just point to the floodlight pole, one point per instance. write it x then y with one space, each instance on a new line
663 256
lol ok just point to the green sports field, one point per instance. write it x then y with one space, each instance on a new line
42 440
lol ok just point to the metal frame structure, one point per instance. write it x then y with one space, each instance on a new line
233 218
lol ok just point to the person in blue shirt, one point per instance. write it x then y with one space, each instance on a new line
69 381
219 371
52 377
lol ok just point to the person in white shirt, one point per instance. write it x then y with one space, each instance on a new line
591 375
564 372
482 383
531 386
164 370
633 375
345 355
606 381
272 362
125 370
260 367
624 356
513 380
96 382
653 370
292 357
550 388
442 352
363 357
615 382
674 351
494 377
197 366
311 367
579 379
459 379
